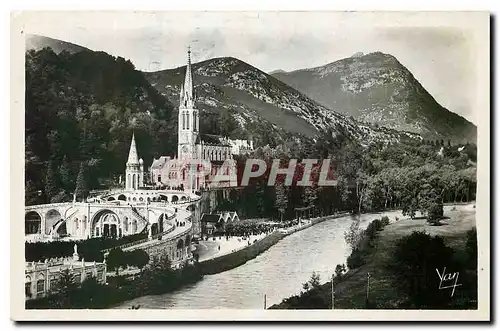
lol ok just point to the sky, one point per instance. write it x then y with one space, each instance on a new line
440 50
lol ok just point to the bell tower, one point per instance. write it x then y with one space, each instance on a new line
189 118
134 170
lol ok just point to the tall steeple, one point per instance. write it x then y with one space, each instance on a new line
187 98
132 154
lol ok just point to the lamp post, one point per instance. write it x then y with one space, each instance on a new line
333 293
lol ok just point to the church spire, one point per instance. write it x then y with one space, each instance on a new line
132 154
187 98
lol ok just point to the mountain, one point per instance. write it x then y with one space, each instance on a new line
36 42
277 71
377 88
81 108
261 106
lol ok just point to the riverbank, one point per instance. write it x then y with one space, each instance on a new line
258 245
351 288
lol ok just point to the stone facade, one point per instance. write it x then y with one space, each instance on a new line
42 277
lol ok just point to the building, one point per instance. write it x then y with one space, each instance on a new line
134 171
212 223
42 277
200 156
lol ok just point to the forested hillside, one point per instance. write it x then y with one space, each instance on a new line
81 109
415 176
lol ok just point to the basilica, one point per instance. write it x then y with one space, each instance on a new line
200 157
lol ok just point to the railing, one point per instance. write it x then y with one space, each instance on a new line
123 246
172 228
48 205
134 210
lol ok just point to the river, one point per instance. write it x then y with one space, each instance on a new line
277 273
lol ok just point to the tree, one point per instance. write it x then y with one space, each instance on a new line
471 247
281 201
65 172
31 194
81 183
115 259
414 263
354 234
51 188
139 258
340 270
63 289
313 283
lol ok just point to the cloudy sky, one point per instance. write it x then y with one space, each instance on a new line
440 50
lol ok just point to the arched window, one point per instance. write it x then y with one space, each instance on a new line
194 121
40 284
183 120
133 181
187 122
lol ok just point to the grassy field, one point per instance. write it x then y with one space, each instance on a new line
350 292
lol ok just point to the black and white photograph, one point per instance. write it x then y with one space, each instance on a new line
251 165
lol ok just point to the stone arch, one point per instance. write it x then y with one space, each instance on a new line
32 222
122 197
61 228
111 199
109 218
180 244
183 198
51 218
134 226
154 229
188 240
175 198
125 224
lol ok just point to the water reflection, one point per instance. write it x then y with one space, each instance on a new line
279 272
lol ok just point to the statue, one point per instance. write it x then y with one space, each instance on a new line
75 253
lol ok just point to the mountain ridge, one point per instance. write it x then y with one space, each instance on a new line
252 95
38 42
378 89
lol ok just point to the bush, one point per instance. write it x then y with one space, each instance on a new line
435 213
356 259
385 221
471 246
415 260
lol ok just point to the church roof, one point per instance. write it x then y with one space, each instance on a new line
132 154
210 218
210 139
158 164
186 98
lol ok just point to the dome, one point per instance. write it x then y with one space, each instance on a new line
141 161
